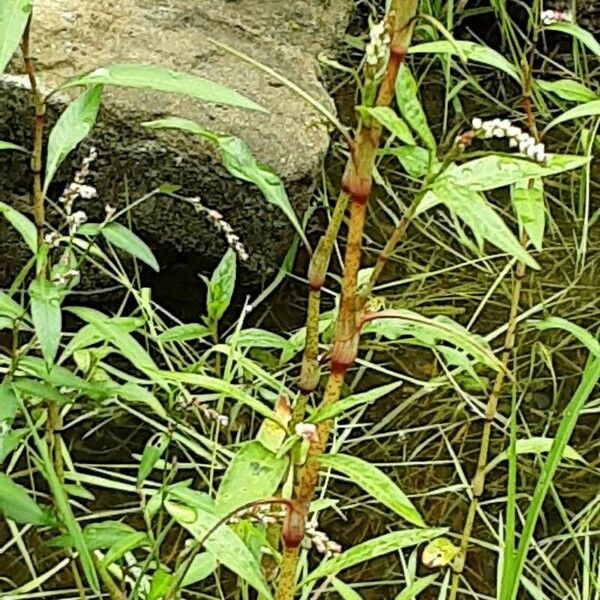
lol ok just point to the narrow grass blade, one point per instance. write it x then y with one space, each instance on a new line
512 579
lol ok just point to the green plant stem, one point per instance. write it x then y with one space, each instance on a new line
109 583
37 195
356 188
478 483
183 570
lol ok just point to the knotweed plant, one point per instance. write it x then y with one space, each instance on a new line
241 442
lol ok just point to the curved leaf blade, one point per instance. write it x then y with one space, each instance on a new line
390 120
13 19
11 146
390 542
501 170
240 162
584 336
393 324
410 108
221 286
46 316
22 224
589 109
18 505
73 125
219 385
253 474
472 51
223 544
534 445
568 89
584 36
472 208
528 202
376 483
151 77
323 413
123 238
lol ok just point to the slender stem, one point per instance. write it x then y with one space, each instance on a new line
183 570
109 583
478 483
37 195
356 188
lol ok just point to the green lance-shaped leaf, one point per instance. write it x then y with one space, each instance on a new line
202 566
390 542
185 333
589 109
497 170
18 505
239 161
472 51
390 120
221 286
153 450
72 127
534 445
528 202
134 540
584 36
416 587
376 483
584 336
323 413
151 77
473 209
344 590
47 317
259 338
123 238
13 19
22 224
11 146
414 159
568 89
223 544
511 579
216 384
117 334
393 324
254 474
410 107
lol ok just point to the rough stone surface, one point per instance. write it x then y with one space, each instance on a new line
75 36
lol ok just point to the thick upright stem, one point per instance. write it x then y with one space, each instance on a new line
356 187
403 13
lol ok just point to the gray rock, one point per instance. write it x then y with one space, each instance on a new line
71 37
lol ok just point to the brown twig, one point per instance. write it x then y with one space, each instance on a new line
37 194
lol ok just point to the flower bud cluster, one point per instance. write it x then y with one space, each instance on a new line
550 17
264 514
78 189
209 413
517 138
377 48
307 431
233 240
321 541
